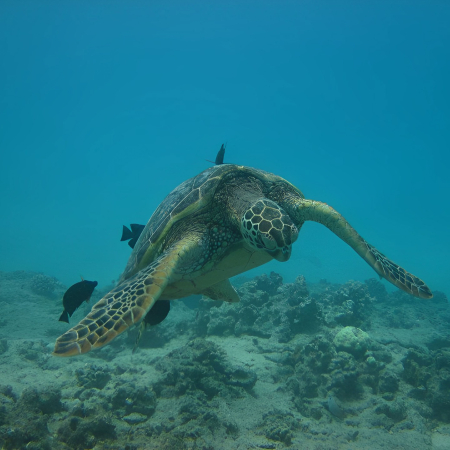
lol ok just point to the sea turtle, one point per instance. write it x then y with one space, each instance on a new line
223 222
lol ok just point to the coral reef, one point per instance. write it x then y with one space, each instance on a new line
267 309
292 365
24 420
352 340
200 368
43 285
279 426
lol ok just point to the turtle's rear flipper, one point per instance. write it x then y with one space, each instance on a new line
124 306
222 291
326 215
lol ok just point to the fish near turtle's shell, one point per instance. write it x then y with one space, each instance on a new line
186 199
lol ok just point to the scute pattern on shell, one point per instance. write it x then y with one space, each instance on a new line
183 196
186 194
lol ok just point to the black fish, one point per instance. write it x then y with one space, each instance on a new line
133 234
220 155
77 294
156 315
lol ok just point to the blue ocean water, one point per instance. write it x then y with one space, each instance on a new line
105 107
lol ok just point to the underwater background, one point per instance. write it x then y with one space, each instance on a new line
108 106
105 107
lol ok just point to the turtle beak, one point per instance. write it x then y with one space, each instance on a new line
282 254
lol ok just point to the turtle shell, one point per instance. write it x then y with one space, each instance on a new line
184 200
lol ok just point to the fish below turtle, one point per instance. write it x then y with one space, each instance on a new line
74 297
226 220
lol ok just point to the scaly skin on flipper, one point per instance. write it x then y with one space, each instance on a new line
122 307
326 215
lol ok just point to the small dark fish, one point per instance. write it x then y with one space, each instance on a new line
220 155
156 315
77 294
132 235
334 408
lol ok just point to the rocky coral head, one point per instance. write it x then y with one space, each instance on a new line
352 340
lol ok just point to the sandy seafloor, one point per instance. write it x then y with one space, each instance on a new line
287 367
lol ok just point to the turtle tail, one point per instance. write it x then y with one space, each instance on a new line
326 215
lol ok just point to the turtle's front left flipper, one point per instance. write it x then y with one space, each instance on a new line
124 306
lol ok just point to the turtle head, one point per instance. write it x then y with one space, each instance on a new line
266 226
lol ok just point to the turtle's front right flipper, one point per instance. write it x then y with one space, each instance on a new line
124 306
326 215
